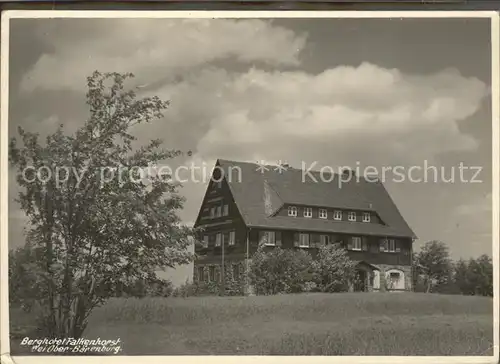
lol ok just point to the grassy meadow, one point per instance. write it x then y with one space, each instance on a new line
305 324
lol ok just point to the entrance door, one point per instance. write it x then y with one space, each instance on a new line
360 283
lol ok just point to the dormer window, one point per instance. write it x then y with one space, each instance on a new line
323 214
308 212
337 215
366 217
292 211
351 216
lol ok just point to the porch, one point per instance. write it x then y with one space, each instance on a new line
372 278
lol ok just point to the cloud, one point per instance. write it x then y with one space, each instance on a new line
481 208
345 114
153 48
342 115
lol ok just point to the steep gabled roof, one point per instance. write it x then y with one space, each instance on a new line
259 195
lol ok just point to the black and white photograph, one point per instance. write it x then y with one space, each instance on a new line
250 184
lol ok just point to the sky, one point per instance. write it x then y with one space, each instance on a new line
335 92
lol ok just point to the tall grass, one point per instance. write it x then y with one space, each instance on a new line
305 324
307 307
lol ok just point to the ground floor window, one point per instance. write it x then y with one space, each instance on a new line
217 274
236 271
211 274
201 274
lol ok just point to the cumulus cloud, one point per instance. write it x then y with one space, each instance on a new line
365 113
154 48
344 114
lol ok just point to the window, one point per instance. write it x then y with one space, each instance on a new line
314 240
292 211
351 216
205 241
211 273
201 274
212 212
218 239
323 214
304 240
366 217
267 238
389 245
392 246
337 215
356 243
226 210
219 211
231 238
308 212
324 240
236 270
217 274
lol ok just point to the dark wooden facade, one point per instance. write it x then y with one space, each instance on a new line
226 239
372 254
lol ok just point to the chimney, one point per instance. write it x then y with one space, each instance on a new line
268 205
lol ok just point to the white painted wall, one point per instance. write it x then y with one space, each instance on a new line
376 279
395 283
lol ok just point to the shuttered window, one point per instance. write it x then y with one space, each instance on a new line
232 237
270 238
324 240
356 243
389 246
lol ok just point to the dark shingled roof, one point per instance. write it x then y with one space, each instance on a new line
259 195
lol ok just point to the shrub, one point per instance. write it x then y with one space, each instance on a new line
235 283
280 271
333 270
189 289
